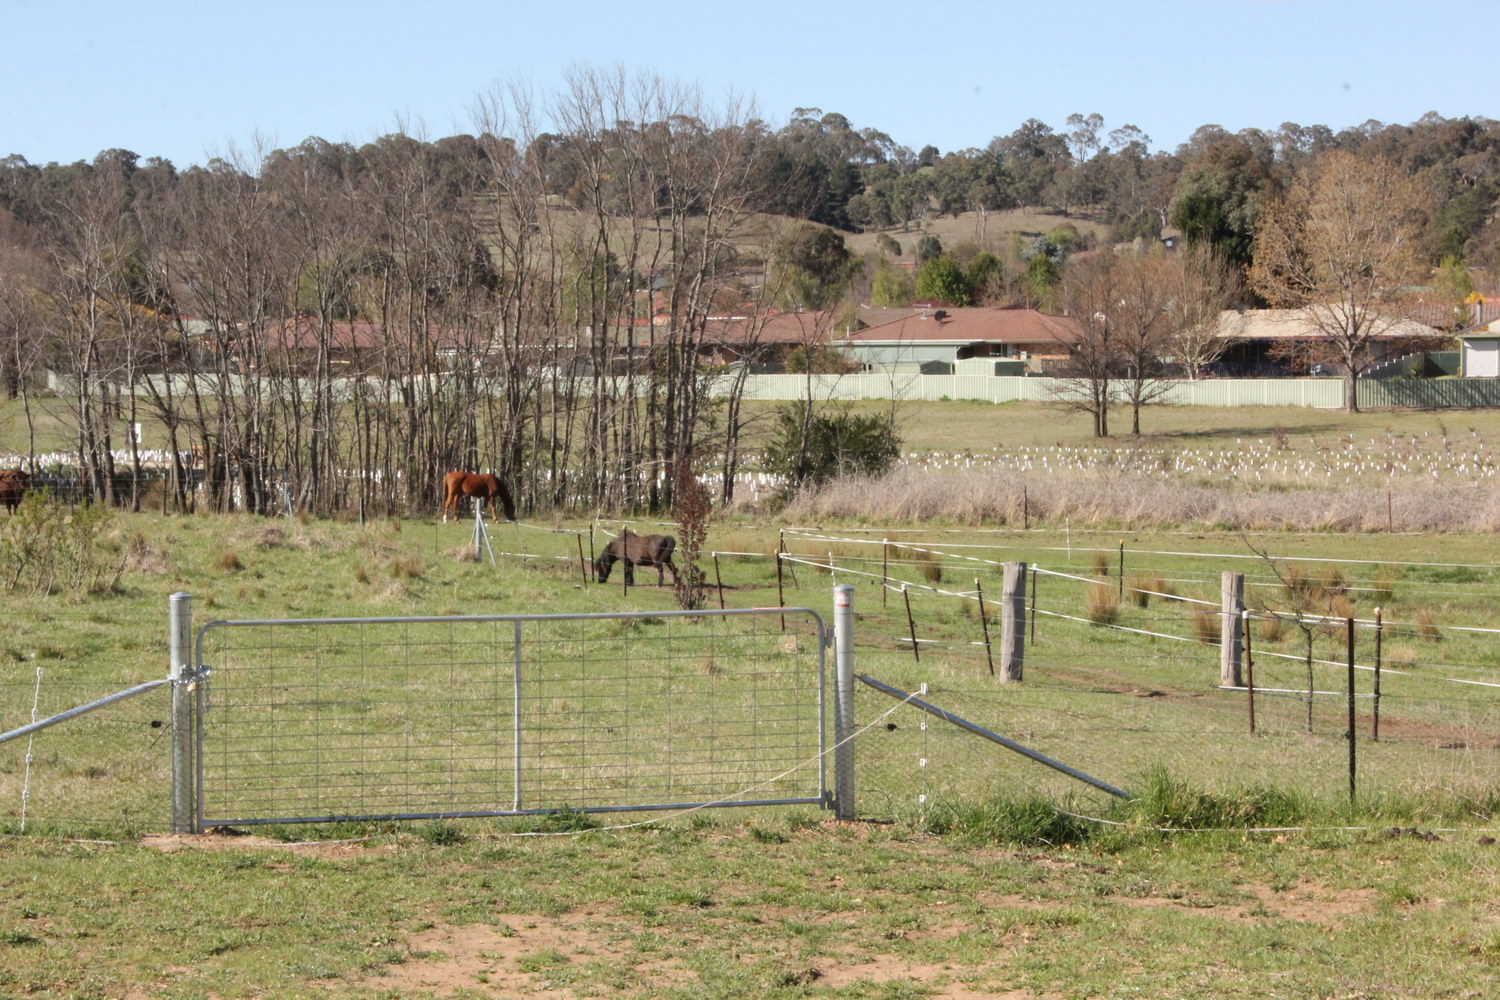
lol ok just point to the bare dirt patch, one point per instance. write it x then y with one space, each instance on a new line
224 841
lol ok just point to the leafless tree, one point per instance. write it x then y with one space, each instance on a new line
1339 247
1202 286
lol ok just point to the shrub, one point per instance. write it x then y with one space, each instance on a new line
809 447
46 548
1206 625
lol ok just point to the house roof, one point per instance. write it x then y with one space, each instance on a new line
1293 324
304 333
771 328
970 326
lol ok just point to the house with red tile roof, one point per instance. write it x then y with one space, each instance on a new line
952 334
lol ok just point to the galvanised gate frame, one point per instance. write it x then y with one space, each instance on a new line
316 720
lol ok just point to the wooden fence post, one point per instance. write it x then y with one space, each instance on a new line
1231 615
1013 622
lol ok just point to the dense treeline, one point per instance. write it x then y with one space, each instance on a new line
344 324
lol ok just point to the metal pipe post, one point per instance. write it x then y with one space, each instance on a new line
180 673
843 705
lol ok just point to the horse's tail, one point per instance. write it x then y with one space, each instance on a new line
668 546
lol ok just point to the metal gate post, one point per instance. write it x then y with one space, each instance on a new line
180 672
516 722
843 703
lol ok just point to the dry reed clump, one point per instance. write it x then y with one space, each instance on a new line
1205 625
758 545
708 667
1401 657
406 568
1102 605
1271 629
463 553
143 557
361 575
229 561
1383 585
1140 588
932 569
1340 606
1100 564
1427 624
1332 582
1098 498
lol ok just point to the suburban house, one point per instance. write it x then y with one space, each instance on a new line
967 340
359 346
765 340
1278 342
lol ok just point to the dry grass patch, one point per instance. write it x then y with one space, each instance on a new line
229 561
1141 588
1102 605
1427 624
407 567
143 557
1205 625
1402 657
1271 629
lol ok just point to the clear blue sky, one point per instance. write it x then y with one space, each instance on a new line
188 80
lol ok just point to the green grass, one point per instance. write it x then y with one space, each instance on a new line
962 872
824 911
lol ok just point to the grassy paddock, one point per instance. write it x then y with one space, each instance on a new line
966 875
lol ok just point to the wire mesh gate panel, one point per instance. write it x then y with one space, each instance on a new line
422 718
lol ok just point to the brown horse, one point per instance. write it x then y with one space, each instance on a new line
638 550
13 483
482 486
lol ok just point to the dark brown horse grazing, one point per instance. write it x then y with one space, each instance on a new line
480 485
638 550
13 483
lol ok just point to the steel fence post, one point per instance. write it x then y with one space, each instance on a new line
516 722
843 705
180 672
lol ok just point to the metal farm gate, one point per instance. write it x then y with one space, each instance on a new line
318 720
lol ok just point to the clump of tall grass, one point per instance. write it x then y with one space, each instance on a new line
1340 606
406 567
1029 820
1427 624
1101 564
143 557
1270 629
1206 625
1102 605
1165 801
758 545
932 569
1402 657
1141 588
229 561
1383 585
